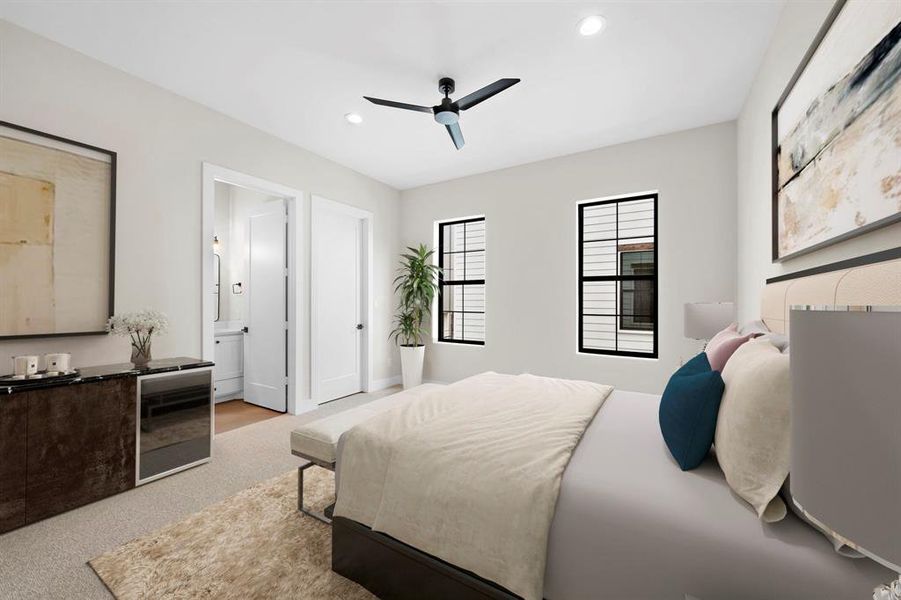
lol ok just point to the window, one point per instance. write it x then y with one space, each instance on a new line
637 296
618 276
461 285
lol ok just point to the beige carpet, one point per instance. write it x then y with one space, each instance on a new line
252 545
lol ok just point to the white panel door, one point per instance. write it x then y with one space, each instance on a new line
337 252
265 340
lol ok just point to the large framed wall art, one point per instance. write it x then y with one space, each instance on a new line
837 132
57 234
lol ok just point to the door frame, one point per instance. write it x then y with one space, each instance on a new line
294 198
317 207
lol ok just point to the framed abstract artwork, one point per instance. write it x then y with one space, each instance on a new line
57 235
836 132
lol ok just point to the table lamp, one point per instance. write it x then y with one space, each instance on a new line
846 427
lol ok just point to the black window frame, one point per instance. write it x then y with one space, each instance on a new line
582 278
635 325
442 283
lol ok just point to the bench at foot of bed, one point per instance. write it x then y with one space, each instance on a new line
317 442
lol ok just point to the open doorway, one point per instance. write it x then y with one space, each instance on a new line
250 321
249 310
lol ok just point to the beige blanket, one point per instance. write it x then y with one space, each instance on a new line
470 473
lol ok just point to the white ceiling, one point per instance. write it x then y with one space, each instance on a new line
295 68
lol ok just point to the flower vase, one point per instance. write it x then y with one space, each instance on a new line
140 357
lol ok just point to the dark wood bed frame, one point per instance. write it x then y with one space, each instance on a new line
393 570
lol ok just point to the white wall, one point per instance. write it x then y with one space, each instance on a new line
530 211
162 139
797 27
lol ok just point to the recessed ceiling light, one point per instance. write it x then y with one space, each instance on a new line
591 25
353 118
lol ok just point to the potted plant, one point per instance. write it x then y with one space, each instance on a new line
140 327
415 285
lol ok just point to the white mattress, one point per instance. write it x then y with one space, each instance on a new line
630 524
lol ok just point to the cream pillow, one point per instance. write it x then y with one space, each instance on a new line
753 427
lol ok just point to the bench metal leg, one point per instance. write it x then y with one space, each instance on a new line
300 506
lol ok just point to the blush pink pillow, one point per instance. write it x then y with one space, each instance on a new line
723 345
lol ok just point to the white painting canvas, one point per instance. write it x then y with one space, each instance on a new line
838 153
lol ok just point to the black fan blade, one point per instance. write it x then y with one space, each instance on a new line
402 105
486 92
456 135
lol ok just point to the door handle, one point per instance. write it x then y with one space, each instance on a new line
244 329
359 326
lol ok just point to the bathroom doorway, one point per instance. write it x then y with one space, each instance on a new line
249 314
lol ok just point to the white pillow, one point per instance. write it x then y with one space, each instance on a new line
753 427
754 327
777 339
841 545
759 327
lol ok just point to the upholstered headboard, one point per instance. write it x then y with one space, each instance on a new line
876 283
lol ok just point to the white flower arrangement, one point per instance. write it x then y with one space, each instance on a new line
139 326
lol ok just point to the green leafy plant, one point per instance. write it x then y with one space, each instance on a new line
415 285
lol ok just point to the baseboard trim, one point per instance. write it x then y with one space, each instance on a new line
229 397
381 384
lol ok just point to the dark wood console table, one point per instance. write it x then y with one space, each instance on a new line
68 443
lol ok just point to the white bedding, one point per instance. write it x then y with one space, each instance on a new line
470 473
629 524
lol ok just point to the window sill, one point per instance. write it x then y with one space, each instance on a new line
457 345
620 356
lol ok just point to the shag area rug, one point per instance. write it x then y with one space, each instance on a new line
252 545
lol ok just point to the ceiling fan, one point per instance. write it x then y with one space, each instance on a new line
448 112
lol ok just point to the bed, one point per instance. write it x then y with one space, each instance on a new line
630 524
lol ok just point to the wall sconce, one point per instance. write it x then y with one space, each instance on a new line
216 245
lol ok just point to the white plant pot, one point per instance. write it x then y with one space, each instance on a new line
411 364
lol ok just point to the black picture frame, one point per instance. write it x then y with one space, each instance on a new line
774 155
849 263
112 229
